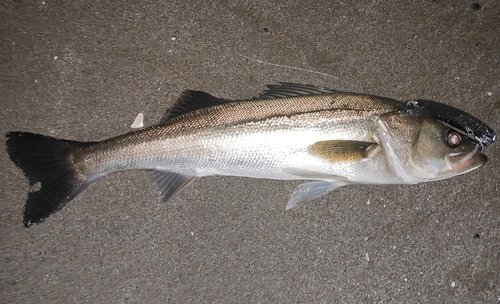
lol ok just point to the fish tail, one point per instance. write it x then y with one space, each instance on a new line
47 164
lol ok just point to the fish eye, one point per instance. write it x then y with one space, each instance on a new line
453 139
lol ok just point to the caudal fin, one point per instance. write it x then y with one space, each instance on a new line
46 163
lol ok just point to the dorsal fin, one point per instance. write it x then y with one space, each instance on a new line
196 100
191 101
288 89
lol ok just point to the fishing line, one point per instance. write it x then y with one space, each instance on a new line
286 66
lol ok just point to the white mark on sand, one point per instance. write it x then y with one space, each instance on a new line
138 122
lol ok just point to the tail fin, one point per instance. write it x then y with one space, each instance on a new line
46 163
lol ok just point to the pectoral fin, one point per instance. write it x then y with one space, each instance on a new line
336 151
169 183
308 191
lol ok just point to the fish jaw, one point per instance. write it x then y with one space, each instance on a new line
466 163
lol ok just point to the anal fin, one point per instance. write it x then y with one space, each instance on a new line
169 183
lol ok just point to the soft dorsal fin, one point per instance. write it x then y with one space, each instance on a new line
191 101
288 89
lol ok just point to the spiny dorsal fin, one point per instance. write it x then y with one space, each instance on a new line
288 89
191 101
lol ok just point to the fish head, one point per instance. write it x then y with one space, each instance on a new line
422 148
440 151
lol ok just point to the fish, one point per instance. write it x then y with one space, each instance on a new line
325 137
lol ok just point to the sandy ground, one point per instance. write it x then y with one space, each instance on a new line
84 69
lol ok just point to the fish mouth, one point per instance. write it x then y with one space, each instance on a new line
466 162
477 162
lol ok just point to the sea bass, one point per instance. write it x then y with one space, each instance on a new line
290 132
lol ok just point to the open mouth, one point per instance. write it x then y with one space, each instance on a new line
465 162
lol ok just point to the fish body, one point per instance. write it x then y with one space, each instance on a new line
290 132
